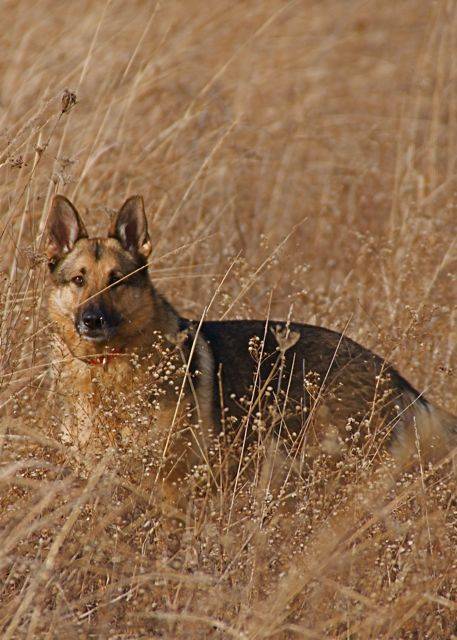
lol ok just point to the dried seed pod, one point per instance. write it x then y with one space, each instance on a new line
68 100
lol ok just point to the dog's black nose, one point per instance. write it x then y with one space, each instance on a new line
97 323
92 320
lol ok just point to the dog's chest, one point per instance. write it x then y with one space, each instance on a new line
94 401
123 404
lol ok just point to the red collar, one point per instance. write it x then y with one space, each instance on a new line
104 358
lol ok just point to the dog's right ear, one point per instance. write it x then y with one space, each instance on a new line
65 229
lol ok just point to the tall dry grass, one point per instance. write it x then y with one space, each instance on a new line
303 154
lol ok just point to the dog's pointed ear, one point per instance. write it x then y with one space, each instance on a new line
65 229
130 227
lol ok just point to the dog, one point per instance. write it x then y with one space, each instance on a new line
134 373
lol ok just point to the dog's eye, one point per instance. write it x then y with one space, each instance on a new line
78 281
114 279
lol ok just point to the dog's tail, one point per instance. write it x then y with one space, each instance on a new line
424 429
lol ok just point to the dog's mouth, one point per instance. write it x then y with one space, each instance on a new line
96 338
102 334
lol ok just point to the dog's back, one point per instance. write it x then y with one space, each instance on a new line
310 379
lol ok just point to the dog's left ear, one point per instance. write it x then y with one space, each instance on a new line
130 227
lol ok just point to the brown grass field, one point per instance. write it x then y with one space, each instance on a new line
295 158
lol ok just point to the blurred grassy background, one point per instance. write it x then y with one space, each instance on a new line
310 144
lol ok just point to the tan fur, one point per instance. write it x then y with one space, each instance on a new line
434 432
105 388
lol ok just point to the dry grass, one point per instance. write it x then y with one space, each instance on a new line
239 123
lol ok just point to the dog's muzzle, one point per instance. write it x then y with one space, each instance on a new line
96 325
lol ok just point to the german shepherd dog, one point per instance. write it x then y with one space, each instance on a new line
137 374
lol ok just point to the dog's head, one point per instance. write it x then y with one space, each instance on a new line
101 296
